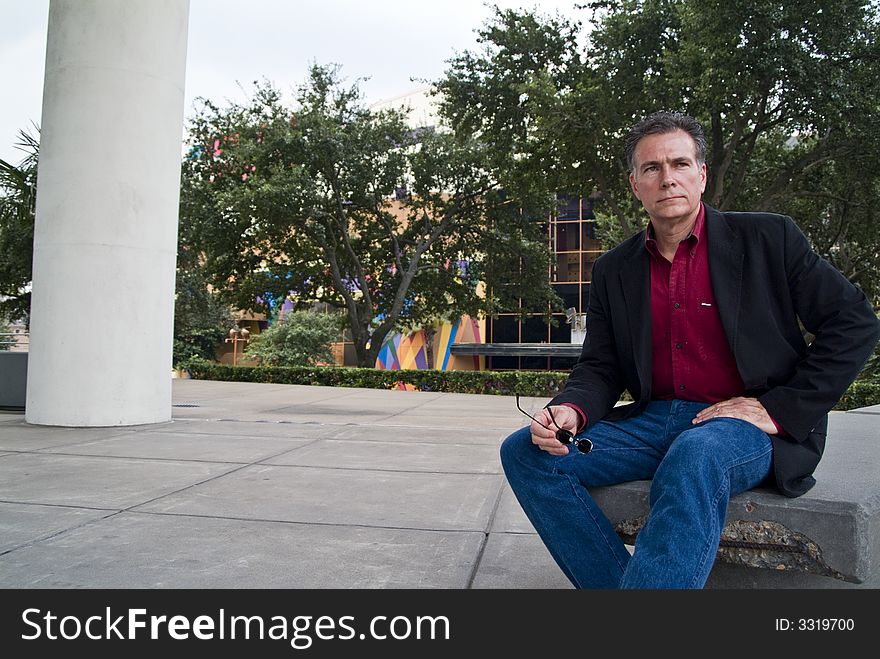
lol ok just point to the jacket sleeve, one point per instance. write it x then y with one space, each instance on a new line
595 383
846 330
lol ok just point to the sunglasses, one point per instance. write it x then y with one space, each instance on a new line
564 436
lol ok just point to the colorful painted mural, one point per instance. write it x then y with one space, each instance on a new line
468 330
409 351
403 352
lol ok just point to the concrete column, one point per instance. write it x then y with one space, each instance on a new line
106 224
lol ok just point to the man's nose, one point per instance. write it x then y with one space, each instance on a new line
666 178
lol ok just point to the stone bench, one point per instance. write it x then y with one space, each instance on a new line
827 538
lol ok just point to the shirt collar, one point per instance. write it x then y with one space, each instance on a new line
695 236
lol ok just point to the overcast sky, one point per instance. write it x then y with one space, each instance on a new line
231 42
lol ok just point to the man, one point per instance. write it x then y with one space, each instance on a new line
697 317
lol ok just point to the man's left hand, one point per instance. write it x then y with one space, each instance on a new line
746 409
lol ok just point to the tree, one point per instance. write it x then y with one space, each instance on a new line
835 203
18 200
788 92
201 320
330 202
302 338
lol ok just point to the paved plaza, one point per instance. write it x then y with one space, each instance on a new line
272 486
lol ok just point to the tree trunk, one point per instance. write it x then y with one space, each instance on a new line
371 354
429 345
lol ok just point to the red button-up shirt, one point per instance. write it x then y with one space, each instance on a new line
691 358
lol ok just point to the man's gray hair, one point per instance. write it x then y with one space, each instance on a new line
665 122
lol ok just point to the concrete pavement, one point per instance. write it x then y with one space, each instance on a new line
285 486
271 486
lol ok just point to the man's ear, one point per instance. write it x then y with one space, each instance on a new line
703 178
635 186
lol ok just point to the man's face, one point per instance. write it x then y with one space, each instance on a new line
667 178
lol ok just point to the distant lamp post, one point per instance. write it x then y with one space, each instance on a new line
237 335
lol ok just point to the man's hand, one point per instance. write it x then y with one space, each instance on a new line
746 409
545 438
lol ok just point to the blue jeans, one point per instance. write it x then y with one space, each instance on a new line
695 470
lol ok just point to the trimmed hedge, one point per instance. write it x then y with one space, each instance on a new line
861 393
525 383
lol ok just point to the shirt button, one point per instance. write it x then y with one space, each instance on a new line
676 305
681 386
678 346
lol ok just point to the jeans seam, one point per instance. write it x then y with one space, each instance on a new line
555 469
724 487
610 547
714 521
623 448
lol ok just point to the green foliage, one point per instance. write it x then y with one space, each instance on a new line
525 383
507 96
301 201
18 200
871 372
302 338
789 95
860 394
201 321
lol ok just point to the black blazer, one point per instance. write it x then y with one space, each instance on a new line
765 277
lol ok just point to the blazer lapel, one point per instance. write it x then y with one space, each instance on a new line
635 280
726 270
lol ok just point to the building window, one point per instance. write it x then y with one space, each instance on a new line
571 236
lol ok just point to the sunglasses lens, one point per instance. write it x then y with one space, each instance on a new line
584 445
564 436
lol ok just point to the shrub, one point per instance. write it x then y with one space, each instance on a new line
861 393
201 321
302 338
525 383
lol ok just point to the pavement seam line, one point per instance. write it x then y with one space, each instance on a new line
60 532
269 520
321 423
308 442
486 533
192 485
438 395
188 487
393 471
286 451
